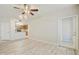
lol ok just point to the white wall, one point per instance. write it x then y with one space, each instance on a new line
45 27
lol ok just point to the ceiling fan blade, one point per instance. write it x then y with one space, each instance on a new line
24 6
17 7
31 13
34 9
23 12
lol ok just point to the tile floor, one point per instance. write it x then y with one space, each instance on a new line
31 47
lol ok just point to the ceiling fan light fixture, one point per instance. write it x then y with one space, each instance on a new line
27 9
23 16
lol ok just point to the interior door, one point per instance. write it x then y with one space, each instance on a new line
68 32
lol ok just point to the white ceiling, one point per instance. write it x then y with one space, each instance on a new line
7 10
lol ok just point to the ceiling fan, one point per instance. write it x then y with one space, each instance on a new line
26 9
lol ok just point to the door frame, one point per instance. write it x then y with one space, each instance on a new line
75 41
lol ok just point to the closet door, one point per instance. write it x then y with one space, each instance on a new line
68 32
